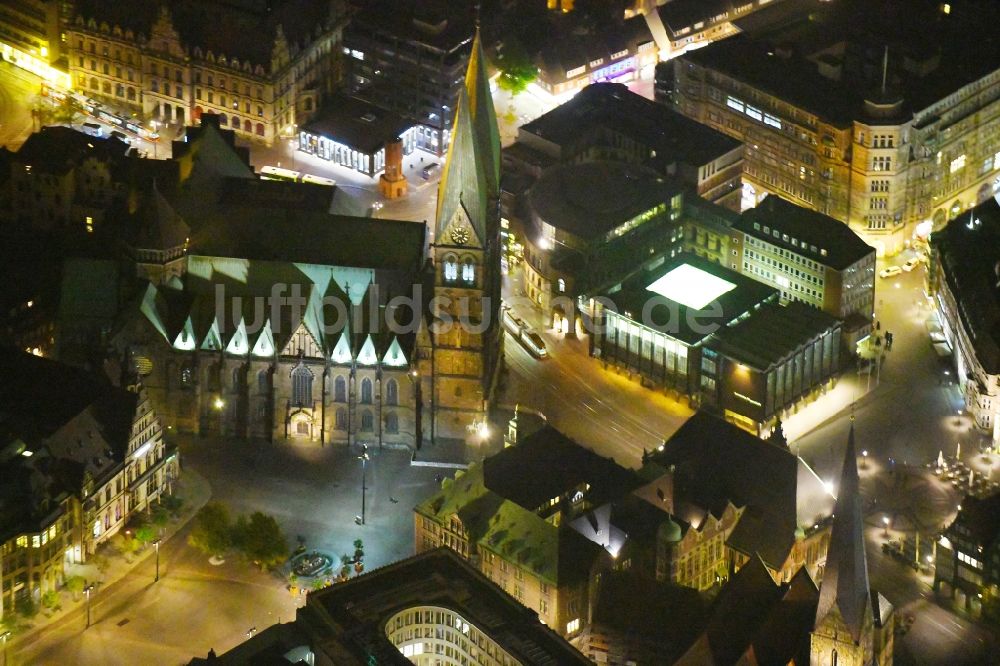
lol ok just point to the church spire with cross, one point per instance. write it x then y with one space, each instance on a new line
470 180
853 623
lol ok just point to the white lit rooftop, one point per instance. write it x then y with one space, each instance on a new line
691 286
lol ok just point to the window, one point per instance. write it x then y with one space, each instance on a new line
450 270
340 389
562 285
187 375
340 421
468 272
573 626
302 386
392 392
366 391
367 422
391 423
263 385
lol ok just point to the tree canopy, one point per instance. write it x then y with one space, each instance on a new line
212 531
261 540
517 70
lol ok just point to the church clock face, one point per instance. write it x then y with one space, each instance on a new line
460 235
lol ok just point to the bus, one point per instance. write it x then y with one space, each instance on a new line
318 180
277 173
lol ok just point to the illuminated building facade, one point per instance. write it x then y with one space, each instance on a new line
77 471
585 225
157 64
431 609
353 133
518 529
721 339
32 37
962 278
812 259
410 59
967 563
623 52
883 143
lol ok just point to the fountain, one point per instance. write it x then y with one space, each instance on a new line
312 564
940 460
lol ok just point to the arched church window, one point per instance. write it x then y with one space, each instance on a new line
450 270
392 392
366 391
340 389
367 421
302 386
468 272
391 423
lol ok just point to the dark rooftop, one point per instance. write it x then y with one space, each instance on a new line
591 199
433 23
57 149
931 54
569 50
836 245
673 136
690 325
356 123
359 609
558 465
716 463
771 334
968 250
283 234
982 517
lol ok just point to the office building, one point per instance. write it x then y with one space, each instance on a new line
410 58
967 564
894 134
812 259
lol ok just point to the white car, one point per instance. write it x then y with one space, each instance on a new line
911 264
890 271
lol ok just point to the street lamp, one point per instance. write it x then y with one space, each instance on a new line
156 544
364 458
864 458
87 590
885 523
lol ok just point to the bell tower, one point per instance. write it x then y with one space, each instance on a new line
465 330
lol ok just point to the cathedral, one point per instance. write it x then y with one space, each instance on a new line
264 315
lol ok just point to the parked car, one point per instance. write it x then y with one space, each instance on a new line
910 264
890 271
93 129
428 170
120 136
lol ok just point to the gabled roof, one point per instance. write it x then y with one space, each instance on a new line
160 227
845 576
715 464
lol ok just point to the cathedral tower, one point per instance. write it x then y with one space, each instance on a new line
853 622
465 333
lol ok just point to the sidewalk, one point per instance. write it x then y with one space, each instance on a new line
193 488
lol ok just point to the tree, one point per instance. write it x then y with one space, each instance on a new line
212 531
75 586
145 533
517 71
261 540
26 607
50 600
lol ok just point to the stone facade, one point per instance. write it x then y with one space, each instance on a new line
152 70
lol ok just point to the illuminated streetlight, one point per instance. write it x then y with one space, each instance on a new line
219 403
885 523
864 458
364 458
87 591
157 545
